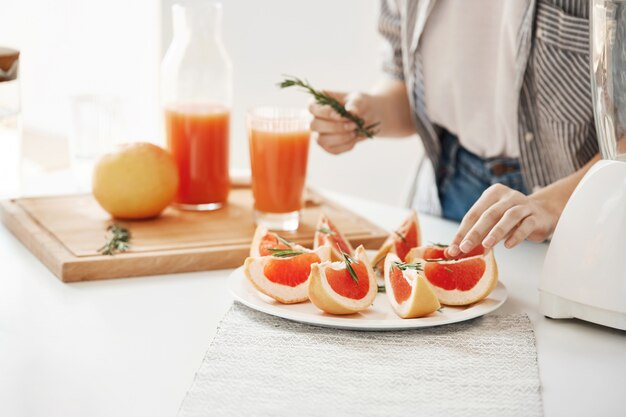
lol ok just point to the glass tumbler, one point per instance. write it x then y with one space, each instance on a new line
279 149
97 124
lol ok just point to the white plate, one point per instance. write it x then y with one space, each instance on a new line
380 316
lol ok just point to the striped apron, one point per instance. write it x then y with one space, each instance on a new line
556 130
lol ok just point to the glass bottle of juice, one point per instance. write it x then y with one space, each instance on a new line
196 93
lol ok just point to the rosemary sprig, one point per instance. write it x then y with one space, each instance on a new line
439 245
348 260
285 241
436 260
117 240
368 131
326 230
403 267
375 266
285 253
400 235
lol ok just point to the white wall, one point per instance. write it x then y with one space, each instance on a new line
84 46
114 47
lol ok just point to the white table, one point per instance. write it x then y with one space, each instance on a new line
130 347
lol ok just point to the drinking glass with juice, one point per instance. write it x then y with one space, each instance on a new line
196 90
279 150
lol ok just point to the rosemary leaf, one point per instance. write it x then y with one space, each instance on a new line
382 288
368 131
326 230
348 260
285 241
375 266
439 245
117 240
403 267
285 253
401 236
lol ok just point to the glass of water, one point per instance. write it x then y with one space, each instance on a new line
97 124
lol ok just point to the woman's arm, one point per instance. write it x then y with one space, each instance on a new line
387 103
502 213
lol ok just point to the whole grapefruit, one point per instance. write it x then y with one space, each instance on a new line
137 181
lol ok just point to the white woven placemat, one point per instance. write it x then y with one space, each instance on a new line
260 365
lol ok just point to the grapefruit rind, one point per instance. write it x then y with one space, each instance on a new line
389 245
486 284
253 268
327 240
326 299
259 234
422 301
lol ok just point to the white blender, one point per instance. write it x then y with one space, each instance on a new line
584 274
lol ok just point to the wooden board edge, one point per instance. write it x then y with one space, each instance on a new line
143 264
36 239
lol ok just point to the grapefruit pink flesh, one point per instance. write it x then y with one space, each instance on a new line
401 288
462 275
343 284
337 241
270 241
406 241
434 252
291 271
334 238
341 245
437 252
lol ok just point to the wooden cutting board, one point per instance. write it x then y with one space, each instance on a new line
65 233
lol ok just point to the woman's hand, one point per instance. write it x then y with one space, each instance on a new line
388 104
502 213
336 134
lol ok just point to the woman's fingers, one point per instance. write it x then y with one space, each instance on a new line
483 215
328 126
489 197
509 221
324 112
485 223
336 150
337 143
525 228
337 134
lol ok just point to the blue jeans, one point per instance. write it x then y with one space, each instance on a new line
463 176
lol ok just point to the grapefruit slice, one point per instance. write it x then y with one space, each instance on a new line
457 281
327 234
264 240
344 287
283 275
408 291
400 242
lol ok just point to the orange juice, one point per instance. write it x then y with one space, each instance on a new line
278 161
197 137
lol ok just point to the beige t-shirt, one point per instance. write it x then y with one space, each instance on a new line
468 55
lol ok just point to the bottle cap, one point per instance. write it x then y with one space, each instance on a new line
9 61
